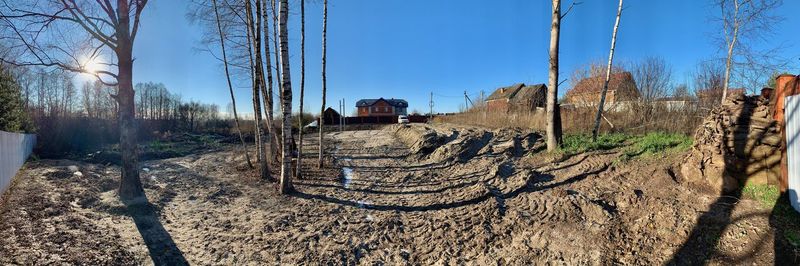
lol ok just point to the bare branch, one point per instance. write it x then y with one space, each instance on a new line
570 8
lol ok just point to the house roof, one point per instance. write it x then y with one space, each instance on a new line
530 92
516 91
505 92
331 111
392 102
595 84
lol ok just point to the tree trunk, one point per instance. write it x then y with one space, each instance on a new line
267 127
263 164
286 102
230 86
275 43
324 81
608 75
130 187
268 102
299 173
554 123
731 46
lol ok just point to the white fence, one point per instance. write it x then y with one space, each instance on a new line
792 117
14 150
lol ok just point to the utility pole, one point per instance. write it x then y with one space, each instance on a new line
485 107
466 107
430 115
344 115
340 115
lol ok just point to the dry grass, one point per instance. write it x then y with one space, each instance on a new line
636 118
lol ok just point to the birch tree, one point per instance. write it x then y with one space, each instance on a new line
286 101
259 138
230 86
744 22
324 81
302 86
608 74
101 28
269 103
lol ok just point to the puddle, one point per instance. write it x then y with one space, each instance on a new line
363 203
347 176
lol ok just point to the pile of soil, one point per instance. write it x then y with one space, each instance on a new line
434 143
737 143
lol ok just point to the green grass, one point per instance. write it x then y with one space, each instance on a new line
573 144
793 237
766 195
657 143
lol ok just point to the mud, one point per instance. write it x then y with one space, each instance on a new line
402 195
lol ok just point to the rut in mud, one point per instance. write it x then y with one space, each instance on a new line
400 195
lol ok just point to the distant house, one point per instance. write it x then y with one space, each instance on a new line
621 87
517 97
330 117
381 107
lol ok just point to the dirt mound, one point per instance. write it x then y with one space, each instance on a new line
419 139
738 142
444 143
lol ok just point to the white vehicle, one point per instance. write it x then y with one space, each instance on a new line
401 119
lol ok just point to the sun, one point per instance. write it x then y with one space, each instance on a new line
91 65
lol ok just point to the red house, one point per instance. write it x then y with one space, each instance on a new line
381 107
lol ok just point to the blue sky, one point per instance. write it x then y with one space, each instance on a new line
410 48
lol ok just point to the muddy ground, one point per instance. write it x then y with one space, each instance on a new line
419 195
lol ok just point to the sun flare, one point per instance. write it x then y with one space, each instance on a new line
91 66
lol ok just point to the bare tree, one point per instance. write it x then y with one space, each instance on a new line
552 89
286 101
324 81
268 102
653 76
302 86
744 22
230 86
608 74
259 137
104 27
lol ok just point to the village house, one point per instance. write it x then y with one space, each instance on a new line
517 97
621 88
381 107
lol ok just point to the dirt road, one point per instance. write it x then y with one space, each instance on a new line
440 195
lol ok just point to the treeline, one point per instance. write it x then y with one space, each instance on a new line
71 120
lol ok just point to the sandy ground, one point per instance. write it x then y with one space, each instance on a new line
444 195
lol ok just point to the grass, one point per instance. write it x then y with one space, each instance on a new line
766 195
657 143
793 237
637 146
573 144
785 216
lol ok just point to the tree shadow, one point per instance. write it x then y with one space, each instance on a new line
468 180
162 249
702 243
535 182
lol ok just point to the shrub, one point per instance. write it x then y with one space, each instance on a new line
12 114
